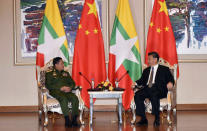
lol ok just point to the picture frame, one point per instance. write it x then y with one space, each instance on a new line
21 60
18 59
182 58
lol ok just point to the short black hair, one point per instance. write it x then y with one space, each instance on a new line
56 60
154 55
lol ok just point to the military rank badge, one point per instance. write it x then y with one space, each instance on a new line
54 74
65 74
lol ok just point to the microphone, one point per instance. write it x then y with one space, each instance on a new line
80 73
123 75
117 82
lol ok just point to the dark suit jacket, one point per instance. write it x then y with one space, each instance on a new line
163 76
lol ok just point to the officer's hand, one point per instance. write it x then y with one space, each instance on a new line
67 89
62 88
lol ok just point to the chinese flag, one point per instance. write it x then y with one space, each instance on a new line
89 56
160 35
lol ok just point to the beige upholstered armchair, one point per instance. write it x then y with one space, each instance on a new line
47 102
166 104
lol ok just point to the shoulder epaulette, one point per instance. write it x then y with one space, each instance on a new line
49 70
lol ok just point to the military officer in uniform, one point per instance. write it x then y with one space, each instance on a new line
60 84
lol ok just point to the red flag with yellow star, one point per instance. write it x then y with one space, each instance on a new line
89 56
160 35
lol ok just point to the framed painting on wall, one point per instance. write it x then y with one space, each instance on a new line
28 16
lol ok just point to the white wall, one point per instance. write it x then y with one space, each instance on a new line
17 83
192 86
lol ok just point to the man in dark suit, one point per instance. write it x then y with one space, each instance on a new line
156 80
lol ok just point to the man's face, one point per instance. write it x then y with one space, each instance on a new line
60 65
152 61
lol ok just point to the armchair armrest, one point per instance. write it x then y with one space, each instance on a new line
170 98
44 92
77 91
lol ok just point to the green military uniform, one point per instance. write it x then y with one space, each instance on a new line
54 80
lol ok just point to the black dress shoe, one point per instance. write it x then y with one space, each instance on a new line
74 122
68 123
157 122
142 122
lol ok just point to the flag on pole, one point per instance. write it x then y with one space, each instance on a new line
89 56
124 52
160 35
52 40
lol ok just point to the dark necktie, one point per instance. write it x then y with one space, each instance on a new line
151 78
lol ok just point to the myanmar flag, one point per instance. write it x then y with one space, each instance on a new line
160 35
124 53
52 40
89 56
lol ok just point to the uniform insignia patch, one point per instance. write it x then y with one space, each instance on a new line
54 74
65 74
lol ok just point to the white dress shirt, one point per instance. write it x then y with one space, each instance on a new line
154 74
